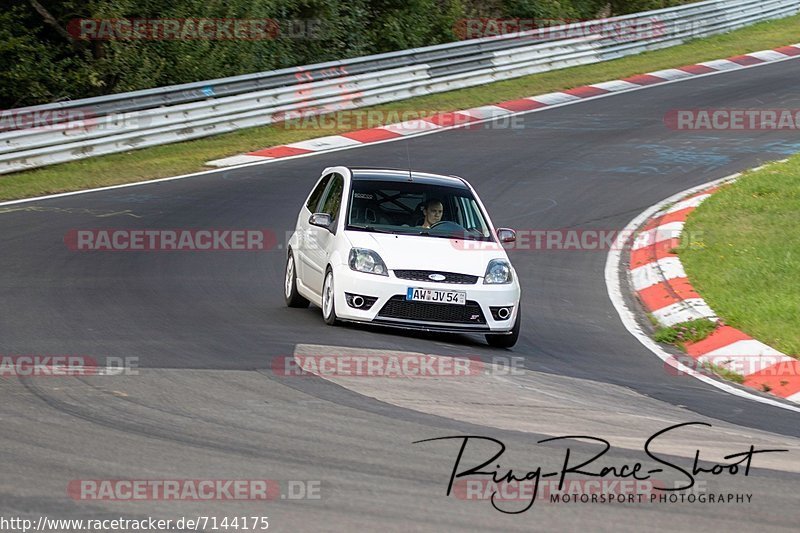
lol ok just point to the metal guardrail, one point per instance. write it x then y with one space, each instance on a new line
127 121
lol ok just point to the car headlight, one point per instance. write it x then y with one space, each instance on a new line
498 271
364 260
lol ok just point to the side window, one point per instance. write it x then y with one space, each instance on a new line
467 221
333 197
316 195
458 212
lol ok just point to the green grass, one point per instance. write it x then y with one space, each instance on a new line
691 331
724 373
694 331
180 158
748 265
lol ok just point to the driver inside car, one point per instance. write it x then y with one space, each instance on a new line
433 210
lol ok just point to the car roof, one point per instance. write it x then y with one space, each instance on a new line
397 174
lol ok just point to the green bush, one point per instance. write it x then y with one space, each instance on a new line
40 63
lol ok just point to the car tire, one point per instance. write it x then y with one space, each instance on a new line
328 299
507 340
293 298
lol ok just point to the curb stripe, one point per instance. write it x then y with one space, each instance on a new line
697 69
746 60
669 217
235 160
661 295
555 98
450 119
683 311
722 336
519 105
745 357
371 135
523 104
671 74
658 251
323 143
656 272
768 55
692 201
783 379
643 79
586 91
614 86
660 233
485 111
721 64
788 50
410 127
633 325
659 280
280 151
705 193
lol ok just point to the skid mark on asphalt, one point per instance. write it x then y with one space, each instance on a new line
146 198
96 213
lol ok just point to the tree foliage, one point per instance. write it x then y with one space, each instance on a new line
40 63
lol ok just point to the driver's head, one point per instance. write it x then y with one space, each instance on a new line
433 210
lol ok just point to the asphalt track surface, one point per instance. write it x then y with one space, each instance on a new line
206 326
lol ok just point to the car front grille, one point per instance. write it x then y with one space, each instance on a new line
422 275
399 307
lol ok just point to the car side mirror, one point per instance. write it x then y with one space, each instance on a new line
322 220
506 235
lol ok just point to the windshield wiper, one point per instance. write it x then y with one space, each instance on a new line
457 236
367 227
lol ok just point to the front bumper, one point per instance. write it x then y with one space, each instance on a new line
386 288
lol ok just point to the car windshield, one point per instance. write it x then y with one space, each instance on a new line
415 208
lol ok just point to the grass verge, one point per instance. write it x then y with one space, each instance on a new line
186 157
746 263
730 375
691 331
694 331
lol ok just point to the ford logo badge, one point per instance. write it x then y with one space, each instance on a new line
436 277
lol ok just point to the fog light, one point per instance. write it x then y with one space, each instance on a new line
357 301
501 313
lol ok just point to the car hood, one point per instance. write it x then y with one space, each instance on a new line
418 252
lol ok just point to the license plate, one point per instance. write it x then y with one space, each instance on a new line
432 295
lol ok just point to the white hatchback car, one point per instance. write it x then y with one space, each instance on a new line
403 249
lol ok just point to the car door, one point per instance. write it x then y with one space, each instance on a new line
302 238
321 240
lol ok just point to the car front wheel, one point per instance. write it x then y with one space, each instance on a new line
293 298
328 300
507 340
